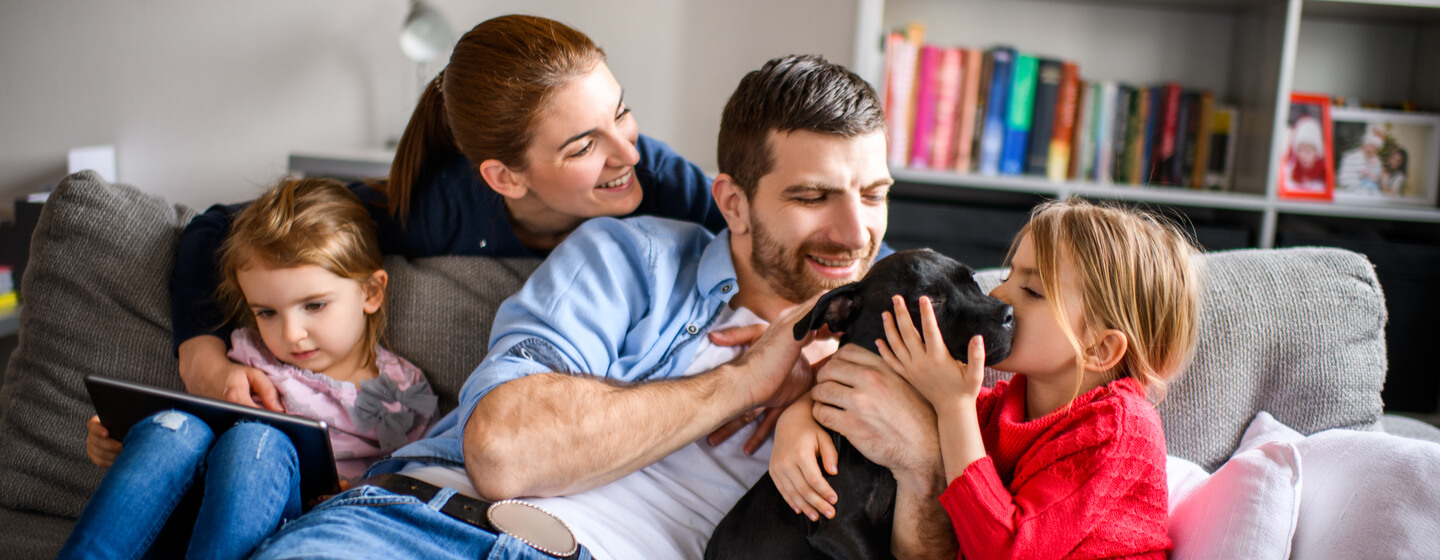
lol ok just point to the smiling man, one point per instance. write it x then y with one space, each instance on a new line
601 383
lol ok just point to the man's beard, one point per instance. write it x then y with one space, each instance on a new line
786 271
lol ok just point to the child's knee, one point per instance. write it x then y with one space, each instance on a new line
178 430
254 441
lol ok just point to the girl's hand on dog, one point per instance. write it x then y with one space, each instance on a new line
921 357
793 466
98 445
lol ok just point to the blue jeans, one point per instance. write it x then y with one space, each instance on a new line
370 522
251 484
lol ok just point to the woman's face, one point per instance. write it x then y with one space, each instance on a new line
582 157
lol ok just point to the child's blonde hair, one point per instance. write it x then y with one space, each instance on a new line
1138 274
304 222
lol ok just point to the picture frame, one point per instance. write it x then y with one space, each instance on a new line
1306 171
1404 169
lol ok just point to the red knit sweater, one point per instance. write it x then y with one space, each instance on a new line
1087 481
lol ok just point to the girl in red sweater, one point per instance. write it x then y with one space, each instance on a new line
1067 458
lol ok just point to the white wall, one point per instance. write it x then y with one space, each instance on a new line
204 99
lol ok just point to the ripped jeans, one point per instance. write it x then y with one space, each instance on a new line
250 486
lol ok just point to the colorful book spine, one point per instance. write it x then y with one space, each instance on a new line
1080 151
1183 139
1057 168
1042 123
1084 158
1135 135
947 102
1162 159
1202 140
1120 131
897 90
926 82
1148 147
992 139
1019 116
1224 125
970 104
1104 130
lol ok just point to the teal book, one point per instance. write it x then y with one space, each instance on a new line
1018 119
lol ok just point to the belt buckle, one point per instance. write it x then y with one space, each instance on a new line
532 525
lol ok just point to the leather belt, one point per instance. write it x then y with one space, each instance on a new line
525 522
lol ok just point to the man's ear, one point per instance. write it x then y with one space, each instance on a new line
504 180
1106 353
733 203
374 287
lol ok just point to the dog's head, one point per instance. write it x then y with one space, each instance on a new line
961 308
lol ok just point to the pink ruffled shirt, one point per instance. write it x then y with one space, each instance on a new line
366 422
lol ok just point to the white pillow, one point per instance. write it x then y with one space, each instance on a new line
1247 508
1369 495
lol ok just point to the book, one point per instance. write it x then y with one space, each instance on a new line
1202 139
992 139
1220 167
1152 95
1042 122
1184 140
971 104
1083 161
1057 168
1135 136
1119 132
1104 125
947 104
926 82
1018 116
900 97
1162 157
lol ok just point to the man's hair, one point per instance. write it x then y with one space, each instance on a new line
794 92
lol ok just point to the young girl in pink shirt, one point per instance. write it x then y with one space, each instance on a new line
301 268
1067 458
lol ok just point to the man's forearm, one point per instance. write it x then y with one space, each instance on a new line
922 529
555 434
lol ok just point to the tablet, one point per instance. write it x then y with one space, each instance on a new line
121 404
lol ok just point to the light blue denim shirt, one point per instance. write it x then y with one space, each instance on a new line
619 299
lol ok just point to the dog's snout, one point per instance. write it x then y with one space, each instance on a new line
1007 317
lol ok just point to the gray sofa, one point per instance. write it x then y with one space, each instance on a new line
1296 332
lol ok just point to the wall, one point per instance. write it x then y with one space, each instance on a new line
204 99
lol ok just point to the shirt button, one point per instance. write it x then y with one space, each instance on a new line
483 243
725 289
692 329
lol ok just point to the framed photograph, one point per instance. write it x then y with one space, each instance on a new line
1306 171
1386 157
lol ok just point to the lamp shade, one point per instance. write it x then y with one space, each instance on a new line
426 35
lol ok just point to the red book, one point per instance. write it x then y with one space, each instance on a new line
1162 160
1059 165
927 87
947 101
969 105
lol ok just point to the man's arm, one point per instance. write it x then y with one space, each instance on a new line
557 434
857 395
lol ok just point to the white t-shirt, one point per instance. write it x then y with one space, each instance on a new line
665 510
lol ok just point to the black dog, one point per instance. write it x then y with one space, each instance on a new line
761 525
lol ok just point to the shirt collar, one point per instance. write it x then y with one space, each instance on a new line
717 270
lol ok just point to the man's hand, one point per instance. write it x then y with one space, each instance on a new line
774 372
857 395
207 371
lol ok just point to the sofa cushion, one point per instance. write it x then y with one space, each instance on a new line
1298 332
97 300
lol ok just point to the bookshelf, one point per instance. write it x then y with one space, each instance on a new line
1251 53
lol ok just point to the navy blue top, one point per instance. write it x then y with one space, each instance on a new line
452 212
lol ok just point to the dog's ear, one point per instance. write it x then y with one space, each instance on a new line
833 309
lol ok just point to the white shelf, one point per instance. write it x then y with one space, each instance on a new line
1029 184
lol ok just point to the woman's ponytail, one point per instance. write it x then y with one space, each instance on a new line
426 140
